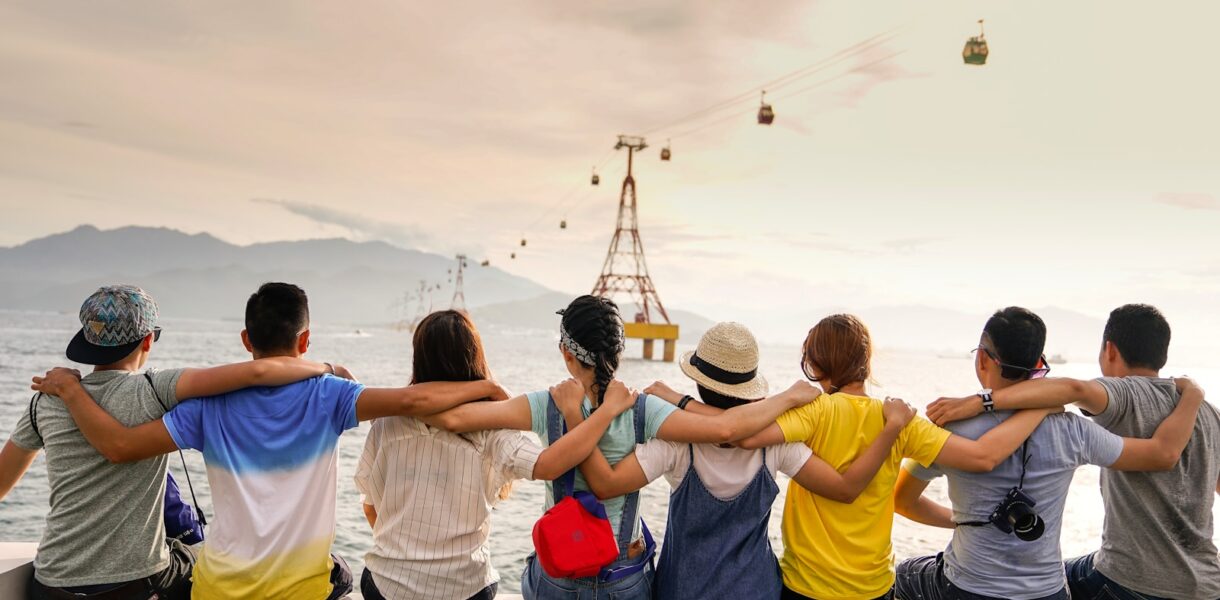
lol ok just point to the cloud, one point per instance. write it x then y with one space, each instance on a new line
1189 200
361 228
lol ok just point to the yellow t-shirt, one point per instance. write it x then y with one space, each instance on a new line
835 551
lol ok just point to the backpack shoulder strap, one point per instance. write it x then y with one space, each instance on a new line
152 386
203 519
34 416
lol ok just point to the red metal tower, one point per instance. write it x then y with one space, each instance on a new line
625 270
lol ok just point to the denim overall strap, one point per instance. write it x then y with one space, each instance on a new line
556 427
624 567
719 548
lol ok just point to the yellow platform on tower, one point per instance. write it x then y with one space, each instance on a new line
650 332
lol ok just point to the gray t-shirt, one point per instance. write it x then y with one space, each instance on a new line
987 561
1157 538
106 522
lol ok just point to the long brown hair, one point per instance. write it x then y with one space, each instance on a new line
841 348
447 347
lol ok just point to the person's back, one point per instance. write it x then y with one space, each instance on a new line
844 550
98 528
986 561
1160 523
433 492
271 456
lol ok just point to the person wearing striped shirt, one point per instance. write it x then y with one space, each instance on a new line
428 493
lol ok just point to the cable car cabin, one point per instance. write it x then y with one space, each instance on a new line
522 242
665 153
563 224
596 180
513 256
975 52
765 115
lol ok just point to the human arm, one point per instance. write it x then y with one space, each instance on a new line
583 434
423 399
270 372
14 462
1090 396
370 513
910 502
822 479
115 441
1162 451
481 416
661 390
982 455
738 422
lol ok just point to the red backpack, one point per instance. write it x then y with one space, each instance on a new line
575 538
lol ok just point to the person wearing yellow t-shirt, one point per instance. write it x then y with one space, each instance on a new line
836 551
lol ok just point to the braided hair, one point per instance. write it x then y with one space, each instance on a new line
595 324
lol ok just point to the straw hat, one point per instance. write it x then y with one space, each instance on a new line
726 361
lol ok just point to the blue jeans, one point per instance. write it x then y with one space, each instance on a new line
1087 583
537 585
924 578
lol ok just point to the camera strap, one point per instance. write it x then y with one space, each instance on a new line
1020 485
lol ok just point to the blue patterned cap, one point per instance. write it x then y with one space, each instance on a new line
113 321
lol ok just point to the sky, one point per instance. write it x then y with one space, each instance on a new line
1078 168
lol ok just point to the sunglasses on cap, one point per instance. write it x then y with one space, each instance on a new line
156 334
1038 372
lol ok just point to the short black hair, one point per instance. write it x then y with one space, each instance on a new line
275 315
722 401
1141 334
1018 337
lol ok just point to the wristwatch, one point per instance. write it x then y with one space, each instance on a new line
988 403
684 401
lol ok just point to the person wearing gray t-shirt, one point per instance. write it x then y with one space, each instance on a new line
997 550
104 528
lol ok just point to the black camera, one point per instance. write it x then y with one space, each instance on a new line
1016 515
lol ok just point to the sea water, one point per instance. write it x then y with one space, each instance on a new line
523 360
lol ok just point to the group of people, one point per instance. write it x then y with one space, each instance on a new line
444 449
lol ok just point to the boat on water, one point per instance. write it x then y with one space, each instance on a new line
1057 359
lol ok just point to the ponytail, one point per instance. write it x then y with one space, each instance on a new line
592 330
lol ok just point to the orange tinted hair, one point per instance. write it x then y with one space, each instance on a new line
841 348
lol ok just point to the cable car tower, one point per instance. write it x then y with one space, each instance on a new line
459 296
626 272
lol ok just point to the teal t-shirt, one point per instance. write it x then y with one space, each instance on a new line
617 443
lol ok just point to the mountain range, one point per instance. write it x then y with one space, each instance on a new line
201 276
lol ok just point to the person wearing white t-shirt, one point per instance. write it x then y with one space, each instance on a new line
716 542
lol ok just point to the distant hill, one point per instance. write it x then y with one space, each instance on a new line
202 276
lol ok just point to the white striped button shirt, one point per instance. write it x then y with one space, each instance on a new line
434 491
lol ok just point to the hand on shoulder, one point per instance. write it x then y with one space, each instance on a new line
802 392
947 410
662 390
56 381
618 398
897 412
